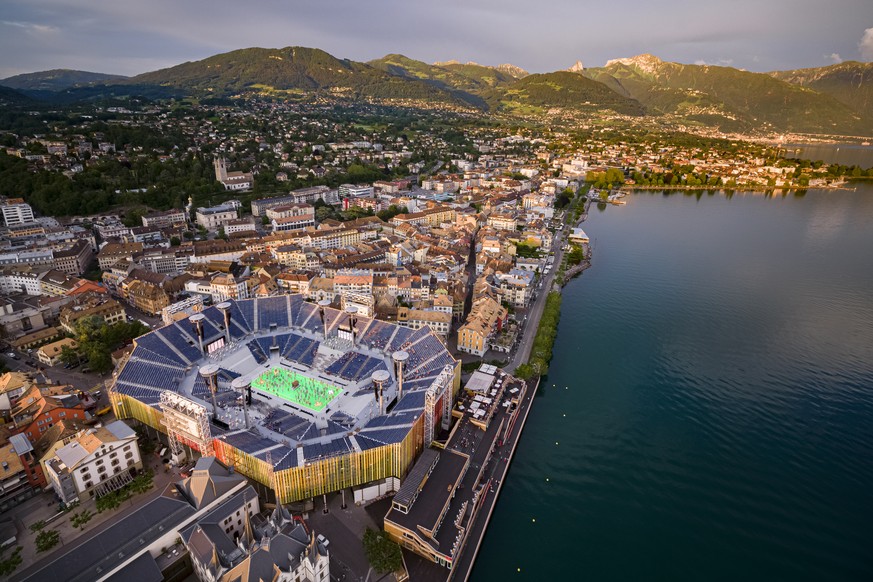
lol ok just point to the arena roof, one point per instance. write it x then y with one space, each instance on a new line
285 332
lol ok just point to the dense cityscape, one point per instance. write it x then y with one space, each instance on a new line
257 331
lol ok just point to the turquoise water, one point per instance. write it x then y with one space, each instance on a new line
709 410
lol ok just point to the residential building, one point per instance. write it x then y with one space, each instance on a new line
484 320
215 216
21 476
277 548
146 296
352 191
239 225
353 281
111 253
439 322
109 310
74 260
141 546
165 219
50 354
16 212
515 287
98 461
182 309
502 221
38 410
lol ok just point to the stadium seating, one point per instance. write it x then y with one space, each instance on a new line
273 311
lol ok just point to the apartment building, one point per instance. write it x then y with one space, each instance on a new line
98 461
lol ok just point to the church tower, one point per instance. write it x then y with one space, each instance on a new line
220 169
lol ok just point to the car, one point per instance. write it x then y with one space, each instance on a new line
86 369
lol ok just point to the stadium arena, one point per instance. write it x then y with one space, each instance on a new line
305 399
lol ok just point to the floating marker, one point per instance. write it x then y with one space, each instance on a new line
534 520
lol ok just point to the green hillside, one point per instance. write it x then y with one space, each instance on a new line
10 97
288 71
850 83
56 80
727 97
540 92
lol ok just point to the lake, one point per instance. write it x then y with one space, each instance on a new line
708 414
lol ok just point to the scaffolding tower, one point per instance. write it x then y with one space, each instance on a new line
187 423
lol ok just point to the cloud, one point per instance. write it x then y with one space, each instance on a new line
31 26
835 57
866 45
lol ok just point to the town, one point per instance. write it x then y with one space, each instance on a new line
413 257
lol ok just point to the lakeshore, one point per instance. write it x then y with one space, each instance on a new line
680 409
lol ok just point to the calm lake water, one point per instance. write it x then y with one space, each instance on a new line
846 154
709 410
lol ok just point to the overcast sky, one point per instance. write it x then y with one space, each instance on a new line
135 36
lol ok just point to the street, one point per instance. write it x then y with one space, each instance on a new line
535 310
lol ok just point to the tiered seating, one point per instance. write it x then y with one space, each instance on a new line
328 449
423 357
378 334
245 309
273 310
400 338
368 367
152 343
287 423
174 335
303 351
340 364
200 389
258 352
211 330
248 441
215 320
147 374
294 317
308 317
150 396
411 401
282 457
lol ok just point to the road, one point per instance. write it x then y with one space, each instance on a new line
535 310
57 374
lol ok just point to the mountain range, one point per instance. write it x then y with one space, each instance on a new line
837 99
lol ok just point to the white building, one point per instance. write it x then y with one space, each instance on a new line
215 216
352 191
16 213
232 180
239 225
98 461
578 236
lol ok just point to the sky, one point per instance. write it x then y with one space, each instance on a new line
134 36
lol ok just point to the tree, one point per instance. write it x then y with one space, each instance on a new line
69 356
383 554
174 241
9 564
80 519
47 539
